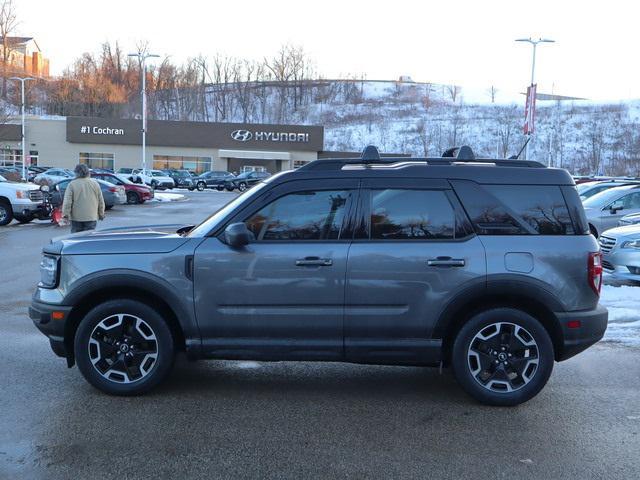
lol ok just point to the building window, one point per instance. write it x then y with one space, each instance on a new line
97 160
253 168
177 162
299 163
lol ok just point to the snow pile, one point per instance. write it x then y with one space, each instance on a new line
167 197
623 303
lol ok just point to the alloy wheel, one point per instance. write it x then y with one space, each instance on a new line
503 357
123 348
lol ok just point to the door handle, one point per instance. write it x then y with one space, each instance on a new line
314 262
446 262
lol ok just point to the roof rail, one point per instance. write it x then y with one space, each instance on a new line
371 158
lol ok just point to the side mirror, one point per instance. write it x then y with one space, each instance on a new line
617 205
237 235
44 188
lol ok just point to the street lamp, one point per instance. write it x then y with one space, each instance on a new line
142 57
533 68
24 146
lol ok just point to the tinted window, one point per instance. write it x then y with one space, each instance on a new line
515 209
411 214
631 201
301 216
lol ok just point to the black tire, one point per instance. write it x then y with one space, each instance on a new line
494 391
107 381
108 207
6 212
229 188
154 184
593 230
201 186
133 198
242 186
220 188
22 219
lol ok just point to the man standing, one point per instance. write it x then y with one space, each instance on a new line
83 202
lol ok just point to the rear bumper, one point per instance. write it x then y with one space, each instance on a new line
41 314
593 324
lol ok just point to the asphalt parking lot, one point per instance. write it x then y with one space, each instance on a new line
294 420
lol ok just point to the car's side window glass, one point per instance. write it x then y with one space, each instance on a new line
402 214
308 215
632 201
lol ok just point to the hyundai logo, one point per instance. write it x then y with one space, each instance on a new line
241 135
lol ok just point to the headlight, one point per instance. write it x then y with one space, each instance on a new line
631 244
22 194
48 271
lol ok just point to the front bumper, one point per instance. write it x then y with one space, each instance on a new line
43 318
593 324
622 263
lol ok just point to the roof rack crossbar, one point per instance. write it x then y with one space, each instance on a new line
338 163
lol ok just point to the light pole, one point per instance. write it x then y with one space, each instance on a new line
533 70
142 58
24 143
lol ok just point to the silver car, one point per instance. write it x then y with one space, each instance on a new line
605 209
589 189
621 252
631 219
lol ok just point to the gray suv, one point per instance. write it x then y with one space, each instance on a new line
486 266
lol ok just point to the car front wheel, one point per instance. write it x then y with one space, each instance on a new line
220 188
229 188
6 212
502 357
242 186
124 347
201 186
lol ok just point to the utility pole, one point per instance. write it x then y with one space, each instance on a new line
22 80
142 58
533 70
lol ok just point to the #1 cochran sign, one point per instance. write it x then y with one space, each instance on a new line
530 110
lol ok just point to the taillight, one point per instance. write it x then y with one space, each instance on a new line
113 189
595 271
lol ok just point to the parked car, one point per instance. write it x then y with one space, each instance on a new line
245 180
606 208
213 179
11 174
35 170
135 193
631 219
587 190
489 269
153 178
112 194
53 176
181 178
22 201
620 249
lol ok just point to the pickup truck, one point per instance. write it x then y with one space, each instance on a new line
22 201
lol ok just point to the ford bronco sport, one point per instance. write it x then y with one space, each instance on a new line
486 266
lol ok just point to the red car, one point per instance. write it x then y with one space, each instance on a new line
136 193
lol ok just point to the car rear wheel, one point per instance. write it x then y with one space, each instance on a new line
201 186
220 188
124 347
133 198
242 186
6 213
502 356
229 188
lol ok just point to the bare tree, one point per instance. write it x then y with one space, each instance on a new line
453 91
492 91
8 24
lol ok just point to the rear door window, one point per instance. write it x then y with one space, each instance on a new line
404 214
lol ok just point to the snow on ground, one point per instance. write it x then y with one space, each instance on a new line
167 197
623 303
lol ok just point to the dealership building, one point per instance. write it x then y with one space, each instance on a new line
197 146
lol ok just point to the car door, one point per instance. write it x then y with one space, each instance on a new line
412 253
628 204
281 296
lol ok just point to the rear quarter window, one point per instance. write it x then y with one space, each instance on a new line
515 209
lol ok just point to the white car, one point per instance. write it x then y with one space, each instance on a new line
53 175
22 201
153 178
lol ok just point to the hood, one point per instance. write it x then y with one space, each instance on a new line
628 231
121 240
18 186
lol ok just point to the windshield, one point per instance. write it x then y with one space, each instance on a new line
208 225
2 179
585 186
601 199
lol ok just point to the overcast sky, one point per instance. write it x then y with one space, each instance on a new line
470 43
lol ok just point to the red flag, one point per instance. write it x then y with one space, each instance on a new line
530 110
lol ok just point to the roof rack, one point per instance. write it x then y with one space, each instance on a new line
371 158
